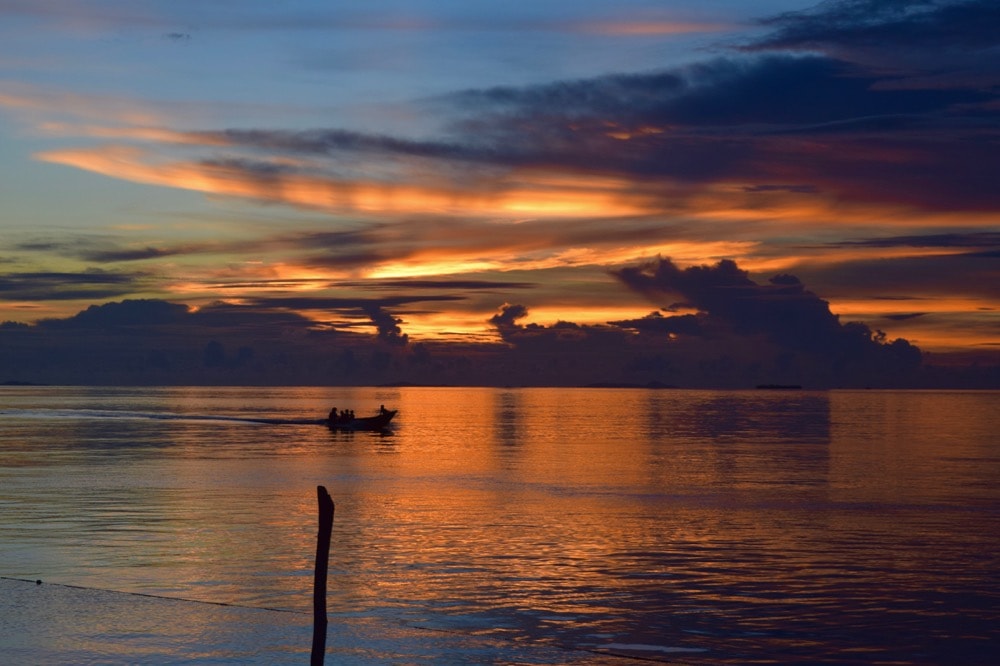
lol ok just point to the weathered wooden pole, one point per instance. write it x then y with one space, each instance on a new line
319 583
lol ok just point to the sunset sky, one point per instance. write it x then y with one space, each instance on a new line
474 172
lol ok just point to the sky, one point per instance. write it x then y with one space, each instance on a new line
712 193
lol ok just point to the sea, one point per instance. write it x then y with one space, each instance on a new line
695 527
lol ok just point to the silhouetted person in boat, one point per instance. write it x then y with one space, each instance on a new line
382 409
332 418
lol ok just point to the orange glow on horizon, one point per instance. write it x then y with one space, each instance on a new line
849 307
934 329
447 261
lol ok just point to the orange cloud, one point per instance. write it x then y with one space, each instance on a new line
576 198
640 28
136 133
33 100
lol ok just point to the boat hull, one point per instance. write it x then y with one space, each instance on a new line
378 422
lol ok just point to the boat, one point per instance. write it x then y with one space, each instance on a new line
378 422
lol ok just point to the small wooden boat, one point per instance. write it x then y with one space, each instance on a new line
379 422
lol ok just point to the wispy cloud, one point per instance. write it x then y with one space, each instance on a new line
47 286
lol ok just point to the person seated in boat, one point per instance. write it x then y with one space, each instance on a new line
332 418
382 409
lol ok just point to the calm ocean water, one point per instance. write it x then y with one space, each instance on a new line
696 526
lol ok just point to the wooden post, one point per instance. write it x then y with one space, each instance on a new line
319 583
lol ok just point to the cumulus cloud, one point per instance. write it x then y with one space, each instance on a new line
142 312
563 338
506 320
387 326
783 311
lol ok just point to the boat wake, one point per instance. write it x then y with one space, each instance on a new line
125 415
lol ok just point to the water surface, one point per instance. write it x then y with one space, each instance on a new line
702 526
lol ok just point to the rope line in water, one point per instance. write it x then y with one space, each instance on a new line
564 648
156 596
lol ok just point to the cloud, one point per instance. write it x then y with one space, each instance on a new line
146 341
837 119
128 313
136 254
946 266
914 44
888 26
794 113
905 316
463 285
783 311
506 320
49 286
655 322
972 239
557 339
620 145
387 326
